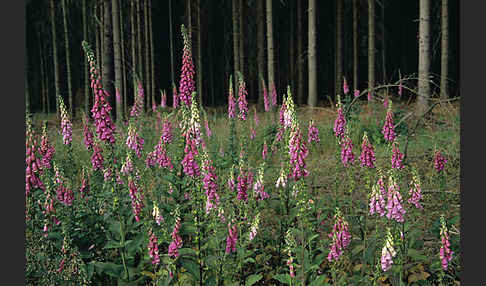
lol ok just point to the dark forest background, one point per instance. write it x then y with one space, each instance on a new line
396 35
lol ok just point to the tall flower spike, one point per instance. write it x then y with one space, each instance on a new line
186 84
347 156
176 242
340 122
33 168
64 194
397 157
231 100
340 237
66 125
259 186
156 214
356 93
137 107
87 134
97 158
265 150
345 86
298 152
313 133
377 200
210 184
153 248
136 197
445 249
163 99
105 128
254 227
232 238
274 94
175 97
266 102
415 190
242 101
134 141
439 161
388 128
367 156
387 252
394 202
46 149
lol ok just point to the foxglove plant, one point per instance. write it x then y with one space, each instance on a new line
137 108
394 202
46 149
156 214
66 125
313 133
377 199
97 157
289 245
64 194
397 157
282 179
189 162
176 242
242 185
231 101
134 141
345 86
136 196
273 90
127 167
254 227
367 156
340 237
167 132
87 134
298 152
85 187
242 102
33 168
356 93
259 186
264 150
445 249
175 97
105 128
186 83
347 156
340 122
439 161
387 252
388 129
153 248
163 99
210 184
232 237
415 190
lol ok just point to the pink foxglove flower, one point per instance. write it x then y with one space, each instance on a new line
265 150
163 99
156 214
97 158
127 167
153 248
313 133
242 185
254 227
291 266
367 156
134 141
66 125
87 134
415 191
439 161
242 101
46 150
298 152
387 252
282 179
340 123
137 107
136 197
176 242
117 96
259 186
273 91
64 194
266 102
397 157
377 199
340 237
394 202
356 93
347 156
210 181
231 101
85 187
445 249
167 132
388 128
33 168
175 97
189 163
369 96
232 238
186 83
345 86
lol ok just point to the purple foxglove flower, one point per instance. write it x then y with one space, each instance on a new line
377 200
134 141
46 150
210 181
369 96
274 94
298 152
259 186
85 187
388 128
66 125
367 156
242 102
157 216
186 83
439 161
313 134
445 252
231 102
394 202
340 124
175 97
387 253
176 242
189 163
163 99
232 238
415 191
97 158
167 132
356 93
266 102
340 237
397 157
345 86
242 185
347 156
136 197
153 249
88 135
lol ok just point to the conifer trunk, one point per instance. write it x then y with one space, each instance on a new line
134 48
271 73
171 44
199 56
54 51
444 68
241 29
371 47
118 59
355 45
312 100
424 60
339 48
148 89
300 59
260 50
85 59
107 78
152 59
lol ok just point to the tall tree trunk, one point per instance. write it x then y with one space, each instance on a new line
271 74
27 97
383 42
300 58
371 47
312 100
444 66
134 49
241 29
123 69
139 50
86 76
424 60
148 89
355 45
107 75
199 56
42 73
97 37
189 19
260 51
152 58
292 54
339 48
102 35
171 44
235 45
118 59
54 51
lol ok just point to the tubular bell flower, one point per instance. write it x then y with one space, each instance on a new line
210 181
415 190
282 179
64 195
46 149
134 141
387 252
439 161
189 163
356 93
186 83
232 238
347 156
176 242
127 167
97 158
136 196
66 125
367 156
163 99
242 102
313 134
397 157
153 248
105 128
265 150
340 237
254 227
242 185
167 132
388 128
274 94
394 202
88 135
345 86
156 214
33 168
445 250
84 190
340 122
231 101
298 152
175 97
377 200
137 107
259 186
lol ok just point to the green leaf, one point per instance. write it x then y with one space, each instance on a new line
282 278
187 251
191 267
416 255
319 281
109 268
357 249
418 276
112 244
252 279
